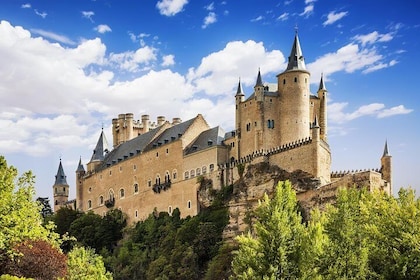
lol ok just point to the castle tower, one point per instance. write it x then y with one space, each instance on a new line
293 90
386 168
80 172
259 87
99 152
239 98
60 188
322 95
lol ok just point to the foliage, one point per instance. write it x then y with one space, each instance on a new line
283 247
84 264
20 218
46 210
168 247
11 277
37 259
63 218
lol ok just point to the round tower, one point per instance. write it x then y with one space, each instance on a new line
60 188
80 173
239 98
293 90
386 169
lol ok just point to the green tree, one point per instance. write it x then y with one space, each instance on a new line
346 253
282 246
20 218
393 230
84 264
46 210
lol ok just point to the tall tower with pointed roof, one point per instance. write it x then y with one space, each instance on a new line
386 166
60 188
293 90
80 172
322 95
99 152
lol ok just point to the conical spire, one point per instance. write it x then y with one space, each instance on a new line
80 167
386 153
239 91
100 149
322 86
315 123
259 80
60 178
296 60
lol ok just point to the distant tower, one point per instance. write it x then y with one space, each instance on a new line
293 90
386 168
239 98
60 188
322 95
259 87
80 172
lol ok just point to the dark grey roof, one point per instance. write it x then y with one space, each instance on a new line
129 148
229 134
266 93
386 153
101 148
208 138
259 79
239 91
80 167
322 86
296 59
60 178
170 134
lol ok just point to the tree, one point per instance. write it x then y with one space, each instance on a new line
63 218
37 259
46 210
84 264
281 246
20 218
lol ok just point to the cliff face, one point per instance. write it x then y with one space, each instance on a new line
249 189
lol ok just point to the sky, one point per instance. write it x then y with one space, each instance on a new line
68 67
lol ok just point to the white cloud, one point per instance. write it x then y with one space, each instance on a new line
373 37
337 115
171 7
333 17
283 17
131 61
259 18
168 60
209 19
26 6
210 7
53 36
41 14
103 28
88 15
309 8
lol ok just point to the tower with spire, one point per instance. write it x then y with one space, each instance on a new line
386 167
60 188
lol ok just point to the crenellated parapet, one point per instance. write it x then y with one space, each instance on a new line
339 174
259 154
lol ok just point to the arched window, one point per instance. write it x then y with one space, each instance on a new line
174 174
122 193
204 169
170 210
198 171
211 167
136 188
149 183
111 195
167 176
187 175
101 200
136 214
192 173
189 204
89 204
157 179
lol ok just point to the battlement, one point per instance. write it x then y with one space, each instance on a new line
339 174
265 153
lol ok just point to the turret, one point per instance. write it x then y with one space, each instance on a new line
293 90
259 87
239 98
80 172
99 152
60 188
145 123
322 95
386 168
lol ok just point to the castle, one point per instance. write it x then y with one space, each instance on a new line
155 166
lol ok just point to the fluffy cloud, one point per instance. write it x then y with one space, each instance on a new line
209 19
103 28
333 17
171 7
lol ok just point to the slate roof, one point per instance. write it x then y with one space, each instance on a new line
208 138
60 178
101 148
296 59
80 167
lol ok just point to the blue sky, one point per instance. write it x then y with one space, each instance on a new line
68 67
